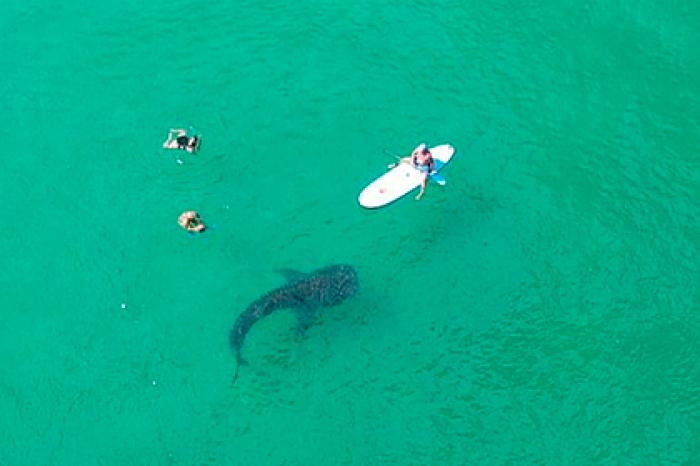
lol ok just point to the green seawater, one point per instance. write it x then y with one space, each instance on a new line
542 308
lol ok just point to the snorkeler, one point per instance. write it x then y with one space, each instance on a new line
191 221
178 139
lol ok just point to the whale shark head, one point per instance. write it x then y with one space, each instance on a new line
334 283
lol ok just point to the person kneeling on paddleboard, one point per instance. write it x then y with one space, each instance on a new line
422 159
178 139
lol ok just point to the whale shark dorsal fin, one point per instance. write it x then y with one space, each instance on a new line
292 275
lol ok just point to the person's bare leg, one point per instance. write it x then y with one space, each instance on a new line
168 142
422 187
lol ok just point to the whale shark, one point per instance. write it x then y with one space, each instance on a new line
304 294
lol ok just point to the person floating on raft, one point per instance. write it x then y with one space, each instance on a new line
191 221
178 139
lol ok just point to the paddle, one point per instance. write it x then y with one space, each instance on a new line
387 152
392 165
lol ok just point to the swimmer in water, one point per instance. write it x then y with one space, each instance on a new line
191 221
178 139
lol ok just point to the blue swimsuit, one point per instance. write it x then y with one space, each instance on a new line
422 167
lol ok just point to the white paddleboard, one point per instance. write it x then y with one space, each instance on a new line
402 179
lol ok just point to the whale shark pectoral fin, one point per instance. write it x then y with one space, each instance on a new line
306 316
292 275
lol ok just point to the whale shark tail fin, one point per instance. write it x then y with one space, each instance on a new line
235 375
239 362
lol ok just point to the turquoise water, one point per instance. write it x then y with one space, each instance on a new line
542 308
